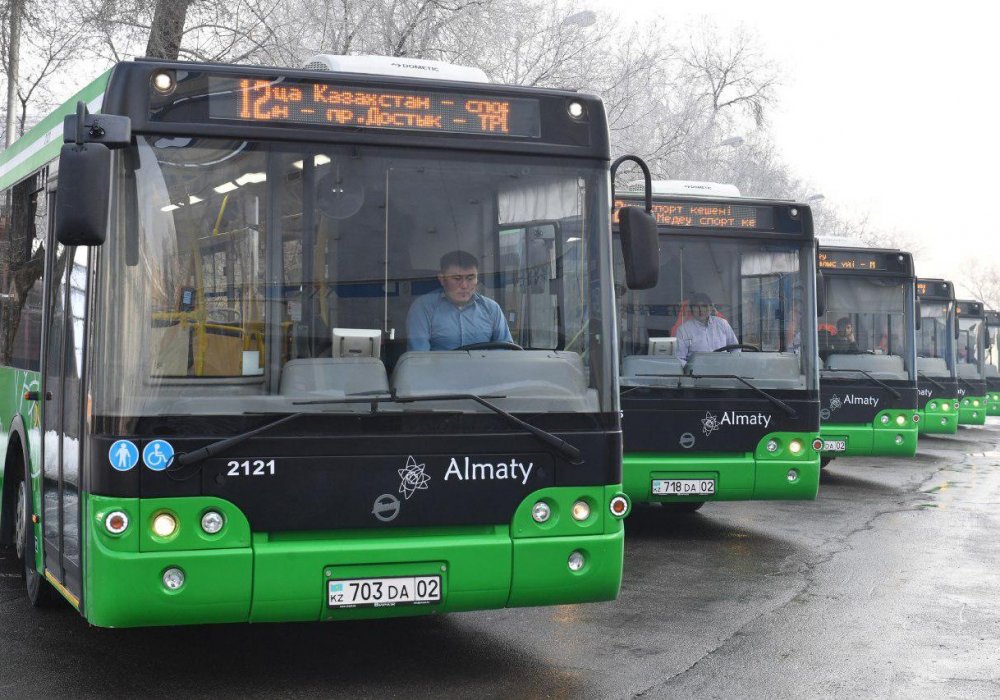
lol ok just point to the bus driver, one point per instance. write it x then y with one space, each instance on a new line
456 315
704 332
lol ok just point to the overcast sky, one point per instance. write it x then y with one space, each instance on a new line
885 107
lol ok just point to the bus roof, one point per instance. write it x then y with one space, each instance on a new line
43 141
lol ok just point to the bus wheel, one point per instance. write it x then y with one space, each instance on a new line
682 508
40 593
824 461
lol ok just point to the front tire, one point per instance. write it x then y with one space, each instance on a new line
40 593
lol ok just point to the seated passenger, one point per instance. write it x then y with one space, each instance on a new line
706 331
457 314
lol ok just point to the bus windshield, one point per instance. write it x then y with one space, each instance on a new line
971 348
935 357
992 351
749 298
865 326
256 276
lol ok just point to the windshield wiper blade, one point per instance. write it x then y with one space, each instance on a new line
895 394
184 459
792 413
548 438
928 378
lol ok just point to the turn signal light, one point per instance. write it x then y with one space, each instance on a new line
116 522
619 506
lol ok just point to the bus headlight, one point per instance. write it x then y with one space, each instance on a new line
792 475
884 419
795 446
772 445
164 82
975 402
575 109
212 522
932 405
164 525
900 420
541 512
945 406
576 561
899 439
581 511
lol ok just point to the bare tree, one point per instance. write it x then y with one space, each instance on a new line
982 281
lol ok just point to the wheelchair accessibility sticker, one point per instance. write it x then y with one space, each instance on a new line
157 455
123 455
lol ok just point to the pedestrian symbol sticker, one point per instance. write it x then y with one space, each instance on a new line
123 455
157 455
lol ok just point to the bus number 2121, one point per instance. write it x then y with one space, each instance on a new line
247 468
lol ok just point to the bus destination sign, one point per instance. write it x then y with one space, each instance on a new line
288 102
708 215
836 260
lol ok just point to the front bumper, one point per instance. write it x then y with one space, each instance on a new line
239 576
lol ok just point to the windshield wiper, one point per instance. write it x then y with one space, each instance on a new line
548 438
895 394
939 386
184 459
792 413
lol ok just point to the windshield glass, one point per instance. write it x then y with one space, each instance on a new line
246 277
935 352
865 326
970 348
748 296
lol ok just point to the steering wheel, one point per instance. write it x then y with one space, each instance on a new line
491 345
738 346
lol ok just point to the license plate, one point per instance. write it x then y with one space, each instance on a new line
834 445
383 592
683 487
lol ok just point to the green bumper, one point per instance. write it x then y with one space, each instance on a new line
891 433
972 410
762 475
239 576
939 416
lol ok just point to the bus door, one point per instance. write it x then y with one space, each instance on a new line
63 351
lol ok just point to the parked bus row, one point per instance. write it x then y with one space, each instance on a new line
353 342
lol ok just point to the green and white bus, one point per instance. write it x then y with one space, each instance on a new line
971 361
736 418
212 406
937 374
992 363
868 377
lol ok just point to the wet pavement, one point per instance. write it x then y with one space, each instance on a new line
886 586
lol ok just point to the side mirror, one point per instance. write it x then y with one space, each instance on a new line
640 239
84 189
917 314
83 194
820 294
640 248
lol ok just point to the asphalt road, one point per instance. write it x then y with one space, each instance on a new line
886 586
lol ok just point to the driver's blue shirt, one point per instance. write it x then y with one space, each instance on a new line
434 323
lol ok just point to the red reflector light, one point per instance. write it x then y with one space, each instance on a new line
619 506
116 522
818 445
916 417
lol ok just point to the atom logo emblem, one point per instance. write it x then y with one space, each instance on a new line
413 478
835 402
709 424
